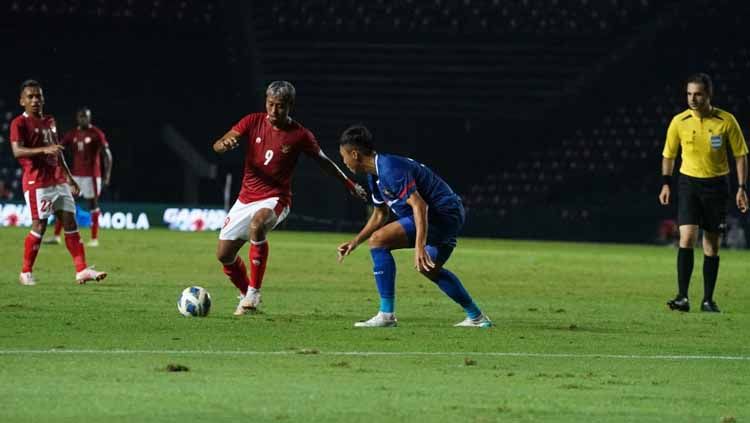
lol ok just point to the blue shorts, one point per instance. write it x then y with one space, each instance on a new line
442 230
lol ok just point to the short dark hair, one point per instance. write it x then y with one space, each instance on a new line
702 78
30 83
359 137
83 109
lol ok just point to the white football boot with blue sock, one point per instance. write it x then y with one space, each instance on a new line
380 320
482 321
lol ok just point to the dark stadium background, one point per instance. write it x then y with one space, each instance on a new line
548 117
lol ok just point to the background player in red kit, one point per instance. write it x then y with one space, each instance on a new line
274 143
90 150
48 185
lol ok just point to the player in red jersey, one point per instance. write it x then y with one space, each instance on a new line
274 143
48 185
90 150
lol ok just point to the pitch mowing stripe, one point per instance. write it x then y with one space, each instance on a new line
382 353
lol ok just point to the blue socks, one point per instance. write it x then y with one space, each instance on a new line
384 269
451 285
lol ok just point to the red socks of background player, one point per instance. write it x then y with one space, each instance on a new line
75 247
258 259
237 273
31 249
95 224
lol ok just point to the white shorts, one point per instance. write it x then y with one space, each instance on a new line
237 223
43 202
89 190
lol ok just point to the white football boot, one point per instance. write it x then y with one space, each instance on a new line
89 274
26 278
52 240
249 302
93 243
380 320
480 322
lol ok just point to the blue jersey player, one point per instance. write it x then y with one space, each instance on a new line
430 215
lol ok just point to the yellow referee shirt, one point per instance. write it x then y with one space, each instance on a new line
704 142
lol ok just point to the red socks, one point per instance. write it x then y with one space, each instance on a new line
237 273
31 249
258 259
95 224
75 247
58 227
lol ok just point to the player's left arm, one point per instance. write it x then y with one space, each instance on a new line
106 155
422 260
74 188
332 169
742 183
107 161
740 152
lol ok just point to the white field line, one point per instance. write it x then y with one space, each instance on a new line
375 354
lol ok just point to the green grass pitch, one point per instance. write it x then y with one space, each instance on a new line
582 335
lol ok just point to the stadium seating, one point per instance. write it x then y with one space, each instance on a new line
499 84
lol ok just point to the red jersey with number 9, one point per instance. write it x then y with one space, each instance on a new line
42 170
270 157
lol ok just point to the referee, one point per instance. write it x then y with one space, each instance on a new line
705 134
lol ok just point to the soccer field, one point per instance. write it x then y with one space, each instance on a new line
582 335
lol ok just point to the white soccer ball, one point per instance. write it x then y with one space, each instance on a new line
194 302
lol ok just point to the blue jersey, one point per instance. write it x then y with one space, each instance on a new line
398 177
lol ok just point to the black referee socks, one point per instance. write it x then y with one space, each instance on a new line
685 261
710 273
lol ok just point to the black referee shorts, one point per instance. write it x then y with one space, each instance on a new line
703 202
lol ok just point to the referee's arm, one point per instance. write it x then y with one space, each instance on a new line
667 167
742 181
740 151
671 147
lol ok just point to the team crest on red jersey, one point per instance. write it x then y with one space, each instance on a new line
285 148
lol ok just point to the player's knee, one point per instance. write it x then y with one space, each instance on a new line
711 244
257 231
432 274
38 226
259 226
688 238
377 240
225 257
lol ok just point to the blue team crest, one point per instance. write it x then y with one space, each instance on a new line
715 141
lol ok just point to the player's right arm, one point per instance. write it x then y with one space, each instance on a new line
671 147
667 168
227 142
17 139
20 151
377 220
